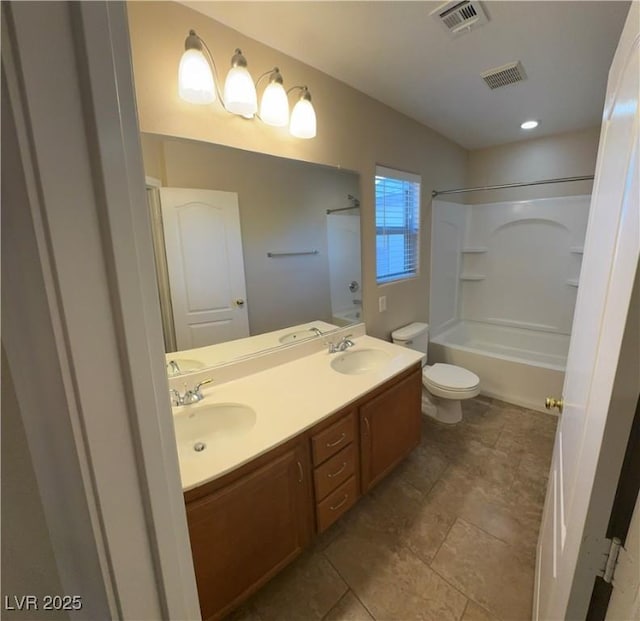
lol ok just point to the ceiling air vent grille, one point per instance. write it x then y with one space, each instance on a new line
460 17
503 76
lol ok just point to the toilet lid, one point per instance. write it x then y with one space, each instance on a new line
450 377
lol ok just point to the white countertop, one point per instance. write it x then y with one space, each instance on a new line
288 399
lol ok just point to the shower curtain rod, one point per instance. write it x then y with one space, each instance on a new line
342 209
435 193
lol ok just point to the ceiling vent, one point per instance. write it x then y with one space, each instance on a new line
503 76
458 18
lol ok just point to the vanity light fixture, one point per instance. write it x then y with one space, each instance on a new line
198 84
239 90
529 125
303 116
274 106
195 80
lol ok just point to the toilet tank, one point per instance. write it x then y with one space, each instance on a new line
415 336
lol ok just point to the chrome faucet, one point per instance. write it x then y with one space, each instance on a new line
173 368
190 396
315 330
342 345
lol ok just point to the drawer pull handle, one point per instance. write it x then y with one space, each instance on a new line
340 439
336 507
300 473
340 471
366 422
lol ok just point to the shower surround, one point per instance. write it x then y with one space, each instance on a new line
504 278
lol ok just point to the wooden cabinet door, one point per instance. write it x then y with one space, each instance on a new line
244 533
389 428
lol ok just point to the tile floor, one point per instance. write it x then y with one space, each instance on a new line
449 535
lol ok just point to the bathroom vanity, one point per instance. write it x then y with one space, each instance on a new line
331 437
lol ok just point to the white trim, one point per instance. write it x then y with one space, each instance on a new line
415 180
392 280
394 173
134 268
152 182
96 242
34 338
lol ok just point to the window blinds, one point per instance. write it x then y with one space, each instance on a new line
397 224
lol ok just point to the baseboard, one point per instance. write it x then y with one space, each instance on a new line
523 403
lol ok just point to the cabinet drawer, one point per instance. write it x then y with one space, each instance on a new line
334 472
333 439
336 503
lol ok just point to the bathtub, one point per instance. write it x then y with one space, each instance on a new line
517 365
347 316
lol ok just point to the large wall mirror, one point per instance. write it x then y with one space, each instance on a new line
252 251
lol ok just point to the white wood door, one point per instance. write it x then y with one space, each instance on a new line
606 281
205 265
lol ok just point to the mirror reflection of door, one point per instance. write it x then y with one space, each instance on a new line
205 266
299 271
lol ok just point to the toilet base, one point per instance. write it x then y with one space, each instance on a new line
447 411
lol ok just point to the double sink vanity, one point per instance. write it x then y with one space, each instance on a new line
286 436
280 445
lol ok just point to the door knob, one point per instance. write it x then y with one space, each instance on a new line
239 302
551 403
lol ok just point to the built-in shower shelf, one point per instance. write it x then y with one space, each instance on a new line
472 276
572 282
476 250
576 250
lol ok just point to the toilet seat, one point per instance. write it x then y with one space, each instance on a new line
450 382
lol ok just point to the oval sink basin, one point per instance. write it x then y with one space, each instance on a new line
299 335
184 365
204 427
360 361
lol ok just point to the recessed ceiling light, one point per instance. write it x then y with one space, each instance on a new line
529 125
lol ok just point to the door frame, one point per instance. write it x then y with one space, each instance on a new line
626 506
153 186
99 361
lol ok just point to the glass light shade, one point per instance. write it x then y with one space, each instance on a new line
274 106
195 80
303 120
240 92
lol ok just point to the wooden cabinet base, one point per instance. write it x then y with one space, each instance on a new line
337 503
390 428
246 532
248 525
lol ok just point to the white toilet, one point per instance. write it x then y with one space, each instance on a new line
445 385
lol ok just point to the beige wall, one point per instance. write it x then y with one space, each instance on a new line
354 132
28 563
282 206
571 154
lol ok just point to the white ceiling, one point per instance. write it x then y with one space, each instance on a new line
398 54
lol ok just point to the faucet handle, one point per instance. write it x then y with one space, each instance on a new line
190 396
173 368
204 382
195 394
341 345
346 342
176 398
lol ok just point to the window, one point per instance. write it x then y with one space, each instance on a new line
397 224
